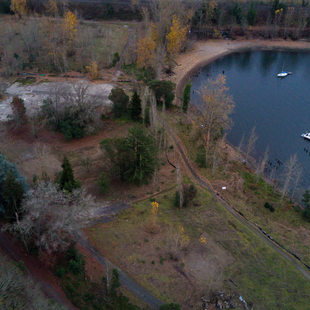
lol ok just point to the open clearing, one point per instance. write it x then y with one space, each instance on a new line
197 250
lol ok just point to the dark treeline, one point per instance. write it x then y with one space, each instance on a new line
269 19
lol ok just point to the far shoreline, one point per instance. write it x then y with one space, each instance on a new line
206 52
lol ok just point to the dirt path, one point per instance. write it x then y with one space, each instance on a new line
269 240
204 52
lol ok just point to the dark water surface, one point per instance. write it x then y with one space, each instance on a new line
278 108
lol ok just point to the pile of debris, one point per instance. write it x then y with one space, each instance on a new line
221 300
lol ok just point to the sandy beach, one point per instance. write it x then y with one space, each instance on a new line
204 52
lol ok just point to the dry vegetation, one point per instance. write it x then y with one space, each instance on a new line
178 254
189 254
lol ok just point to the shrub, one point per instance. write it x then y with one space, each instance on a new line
103 183
133 158
71 128
186 97
164 92
189 193
306 214
116 59
7 167
19 111
13 194
71 112
77 266
201 158
120 101
267 205
60 272
177 199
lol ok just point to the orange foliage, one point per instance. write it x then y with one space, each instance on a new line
146 52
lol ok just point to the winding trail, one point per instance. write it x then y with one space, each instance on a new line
287 254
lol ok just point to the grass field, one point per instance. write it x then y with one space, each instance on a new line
209 250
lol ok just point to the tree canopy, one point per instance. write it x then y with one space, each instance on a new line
7 167
133 158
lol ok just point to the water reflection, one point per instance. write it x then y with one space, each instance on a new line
279 108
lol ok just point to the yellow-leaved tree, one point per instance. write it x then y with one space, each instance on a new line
52 7
19 7
176 37
146 52
93 70
70 26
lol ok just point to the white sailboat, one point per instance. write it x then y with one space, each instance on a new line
306 135
283 74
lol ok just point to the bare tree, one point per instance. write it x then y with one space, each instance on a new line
290 172
52 216
251 143
262 165
297 179
214 110
240 146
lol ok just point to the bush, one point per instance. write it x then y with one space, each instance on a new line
164 92
5 168
71 129
201 158
189 194
116 59
134 158
120 102
19 116
13 194
77 266
267 205
186 97
142 74
177 199
306 214
60 272
72 113
103 183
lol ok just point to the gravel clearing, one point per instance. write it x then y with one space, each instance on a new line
34 95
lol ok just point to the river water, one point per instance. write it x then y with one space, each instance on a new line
278 108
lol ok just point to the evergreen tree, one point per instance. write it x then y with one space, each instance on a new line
13 193
133 158
5 168
252 15
66 179
120 101
186 97
135 107
164 92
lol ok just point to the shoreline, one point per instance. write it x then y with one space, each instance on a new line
205 52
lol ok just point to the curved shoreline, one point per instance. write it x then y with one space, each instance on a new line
205 52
